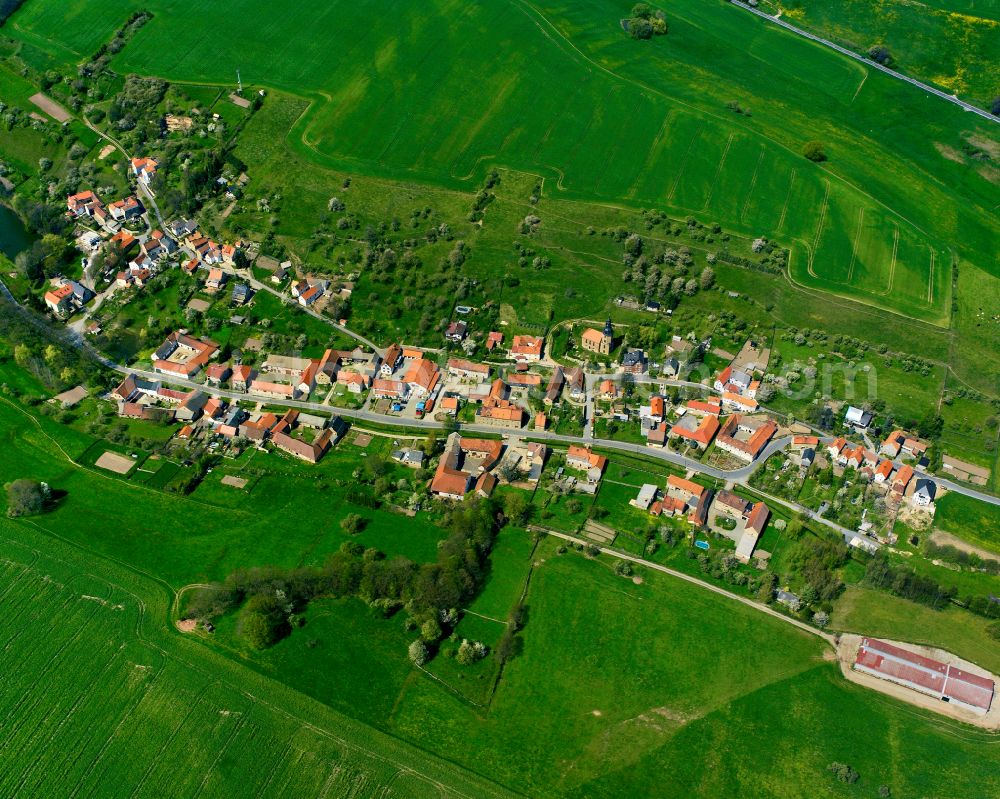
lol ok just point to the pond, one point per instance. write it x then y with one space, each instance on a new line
14 236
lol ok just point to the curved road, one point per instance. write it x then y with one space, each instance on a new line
868 62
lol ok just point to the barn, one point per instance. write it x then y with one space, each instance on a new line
948 683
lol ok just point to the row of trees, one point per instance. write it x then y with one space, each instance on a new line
270 599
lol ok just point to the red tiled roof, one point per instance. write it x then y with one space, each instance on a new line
704 433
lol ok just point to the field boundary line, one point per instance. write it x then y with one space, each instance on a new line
892 263
820 225
857 243
753 185
930 277
680 170
718 172
788 199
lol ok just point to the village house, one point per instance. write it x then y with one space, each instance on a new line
737 402
924 493
698 433
126 209
355 382
60 300
858 418
654 413
242 377
183 355
576 382
309 451
502 413
607 390
393 358
144 170
216 277
583 459
132 388
422 377
456 331
242 294
493 339
646 497
192 407
389 389
883 472
711 406
555 386
657 435
733 381
526 348
901 479
464 369
899 444
310 295
266 388
745 437
635 362
83 203
464 466
524 380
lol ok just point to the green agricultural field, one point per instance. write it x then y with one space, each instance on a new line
106 700
638 123
952 43
977 522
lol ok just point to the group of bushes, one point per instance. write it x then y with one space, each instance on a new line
645 23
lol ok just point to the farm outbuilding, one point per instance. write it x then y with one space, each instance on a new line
948 683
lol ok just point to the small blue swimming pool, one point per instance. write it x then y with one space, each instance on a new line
701 544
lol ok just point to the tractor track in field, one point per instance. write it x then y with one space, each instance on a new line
753 184
680 170
857 243
820 225
653 151
788 199
718 172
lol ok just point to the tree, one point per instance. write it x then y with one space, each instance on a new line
639 28
418 653
880 54
26 497
264 620
353 523
707 277
844 773
813 150
516 507
430 630
641 11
